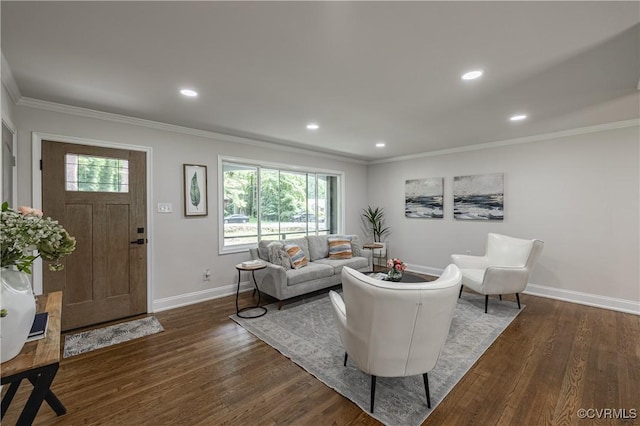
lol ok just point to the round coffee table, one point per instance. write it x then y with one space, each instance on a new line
407 277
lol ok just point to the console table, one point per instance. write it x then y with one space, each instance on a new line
38 362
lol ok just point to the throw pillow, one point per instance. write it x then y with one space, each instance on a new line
339 248
278 256
298 259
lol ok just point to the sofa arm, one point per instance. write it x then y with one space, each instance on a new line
272 280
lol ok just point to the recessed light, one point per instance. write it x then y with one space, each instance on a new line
472 75
517 117
312 126
188 92
380 145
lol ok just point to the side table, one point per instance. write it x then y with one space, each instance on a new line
372 247
252 269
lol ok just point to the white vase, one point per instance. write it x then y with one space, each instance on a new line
16 296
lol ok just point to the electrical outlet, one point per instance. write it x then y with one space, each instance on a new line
468 251
206 275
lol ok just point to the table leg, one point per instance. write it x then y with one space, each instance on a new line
238 293
42 385
52 400
8 397
257 306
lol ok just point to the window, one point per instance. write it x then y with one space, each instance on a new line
262 202
88 173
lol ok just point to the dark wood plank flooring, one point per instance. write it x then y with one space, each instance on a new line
204 369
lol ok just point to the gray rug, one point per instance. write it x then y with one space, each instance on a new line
305 332
79 343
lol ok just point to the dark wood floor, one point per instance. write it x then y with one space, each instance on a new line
554 359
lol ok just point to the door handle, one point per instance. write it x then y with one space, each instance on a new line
139 241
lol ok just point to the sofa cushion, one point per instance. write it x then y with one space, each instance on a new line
310 272
278 255
339 247
297 256
337 264
301 242
263 252
318 248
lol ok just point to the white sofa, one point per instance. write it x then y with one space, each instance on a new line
320 272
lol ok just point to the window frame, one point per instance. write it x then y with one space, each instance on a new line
259 164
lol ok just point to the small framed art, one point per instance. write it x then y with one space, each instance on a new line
195 190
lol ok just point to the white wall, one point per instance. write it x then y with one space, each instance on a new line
182 247
579 194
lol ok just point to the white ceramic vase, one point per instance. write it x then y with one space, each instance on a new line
16 296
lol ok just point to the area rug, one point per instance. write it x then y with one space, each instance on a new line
79 343
306 333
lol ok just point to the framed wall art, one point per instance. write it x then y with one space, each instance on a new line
195 190
479 197
423 198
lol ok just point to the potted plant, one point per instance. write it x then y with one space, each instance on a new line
375 217
24 231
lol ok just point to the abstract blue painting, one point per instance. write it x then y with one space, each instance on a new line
479 197
423 198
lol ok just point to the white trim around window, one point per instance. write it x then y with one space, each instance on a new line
271 165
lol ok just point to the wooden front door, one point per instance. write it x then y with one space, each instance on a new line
99 196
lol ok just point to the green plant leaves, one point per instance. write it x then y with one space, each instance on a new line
194 190
375 216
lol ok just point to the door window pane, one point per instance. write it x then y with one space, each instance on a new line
87 173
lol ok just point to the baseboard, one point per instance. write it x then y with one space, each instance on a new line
199 296
595 300
424 270
588 299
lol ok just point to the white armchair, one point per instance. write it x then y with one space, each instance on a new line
504 269
395 329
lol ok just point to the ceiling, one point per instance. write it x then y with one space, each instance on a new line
365 72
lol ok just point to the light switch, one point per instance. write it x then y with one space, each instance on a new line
165 208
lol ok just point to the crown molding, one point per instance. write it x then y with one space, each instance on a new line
10 82
157 125
123 119
517 141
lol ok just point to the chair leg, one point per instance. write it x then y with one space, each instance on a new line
486 302
518 299
373 390
500 296
345 359
460 294
426 389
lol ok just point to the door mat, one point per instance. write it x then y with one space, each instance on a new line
86 341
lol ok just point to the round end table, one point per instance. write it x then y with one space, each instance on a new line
372 247
250 268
